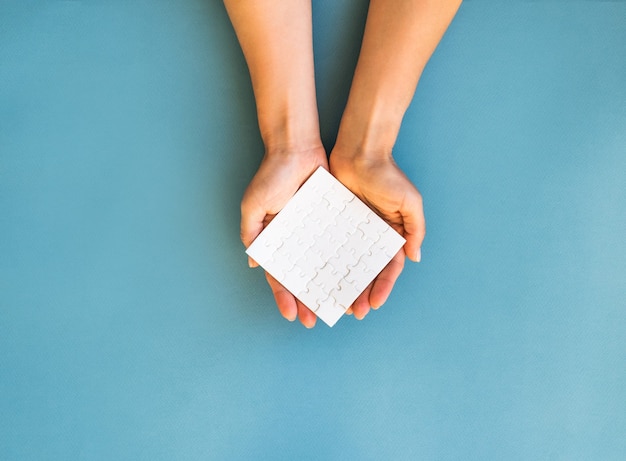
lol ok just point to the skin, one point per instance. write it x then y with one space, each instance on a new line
276 39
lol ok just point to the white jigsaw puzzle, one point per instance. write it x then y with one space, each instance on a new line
325 246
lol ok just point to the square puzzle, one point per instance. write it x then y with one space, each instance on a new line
325 246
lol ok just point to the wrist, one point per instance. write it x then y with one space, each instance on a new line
289 130
288 139
358 164
368 131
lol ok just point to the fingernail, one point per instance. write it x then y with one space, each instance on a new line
418 255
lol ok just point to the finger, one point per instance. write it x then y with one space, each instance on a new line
306 316
414 223
384 282
361 305
285 301
252 221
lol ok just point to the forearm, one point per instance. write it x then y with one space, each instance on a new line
276 39
400 36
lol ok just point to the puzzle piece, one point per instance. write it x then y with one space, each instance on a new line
325 246
345 293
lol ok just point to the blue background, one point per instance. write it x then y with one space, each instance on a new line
132 328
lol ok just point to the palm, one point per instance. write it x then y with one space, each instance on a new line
383 186
277 179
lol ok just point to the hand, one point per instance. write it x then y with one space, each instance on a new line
384 187
278 178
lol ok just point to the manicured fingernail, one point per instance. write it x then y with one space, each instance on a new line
418 255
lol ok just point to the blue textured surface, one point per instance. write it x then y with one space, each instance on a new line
131 327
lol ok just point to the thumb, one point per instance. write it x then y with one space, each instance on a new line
412 212
252 223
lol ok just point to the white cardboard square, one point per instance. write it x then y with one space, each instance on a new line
325 246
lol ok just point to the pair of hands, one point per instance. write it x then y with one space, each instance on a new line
379 183
277 41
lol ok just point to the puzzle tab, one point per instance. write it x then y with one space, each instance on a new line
325 246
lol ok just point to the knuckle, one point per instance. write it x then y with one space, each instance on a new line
419 200
244 205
